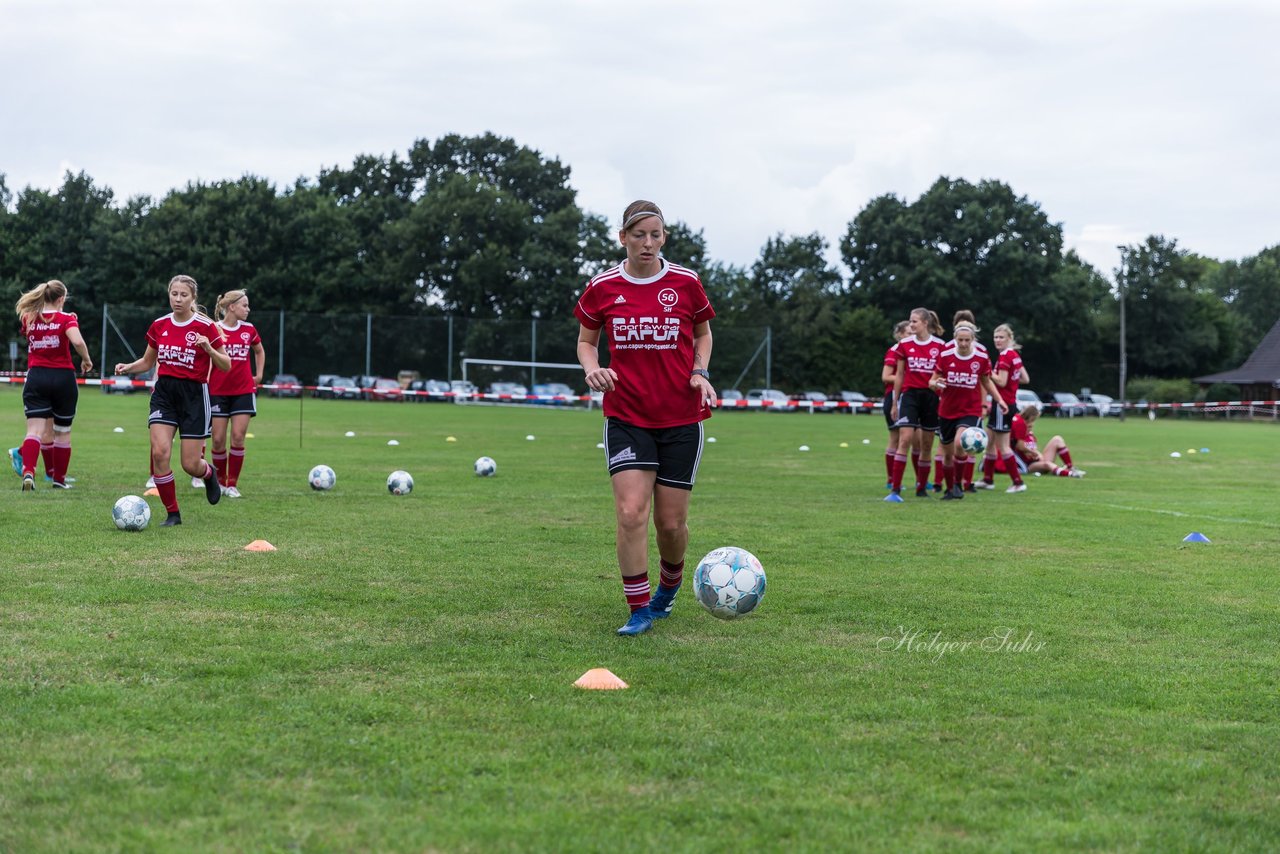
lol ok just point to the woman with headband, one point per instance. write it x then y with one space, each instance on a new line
962 378
657 392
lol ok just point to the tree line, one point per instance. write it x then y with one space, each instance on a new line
482 227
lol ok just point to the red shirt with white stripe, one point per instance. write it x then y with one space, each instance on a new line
963 375
1010 361
239 343
890 361
47 342
921 357
649 323
176 352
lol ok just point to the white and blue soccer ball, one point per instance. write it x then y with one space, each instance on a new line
729 582
486 467
399 483
322 478
973 440
131 513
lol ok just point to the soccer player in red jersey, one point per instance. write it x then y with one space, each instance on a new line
1007 374
887 374
962 377
1029 456
184 343
50 393
915 404
657 393
232 395
963 462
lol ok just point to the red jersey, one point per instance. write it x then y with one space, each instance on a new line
1010 361
963 376
649 323
176 352
920 358
239 343
1020 431
47 342
890 361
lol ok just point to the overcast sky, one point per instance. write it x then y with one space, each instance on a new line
744 119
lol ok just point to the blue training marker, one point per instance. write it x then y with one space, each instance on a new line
1195 537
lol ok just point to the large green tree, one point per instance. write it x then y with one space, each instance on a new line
1251 290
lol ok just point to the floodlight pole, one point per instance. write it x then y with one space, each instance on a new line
1121 287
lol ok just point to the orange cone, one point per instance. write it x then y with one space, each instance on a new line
259 546
152 491
600 679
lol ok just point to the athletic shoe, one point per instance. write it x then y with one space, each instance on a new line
171 520
661 601
969 487
893 498
231 492
15 457
922 493
197 483
984 484
957 491
639 623
28 483
1017 487
1075 472
212 489
64 485
151 483
888 484
950 495
49 479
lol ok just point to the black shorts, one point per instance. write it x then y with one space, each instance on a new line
51 393
998 421
226 405
948 428
183 404
918 409
887 406
674 452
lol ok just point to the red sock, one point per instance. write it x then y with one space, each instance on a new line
168 492
888 465
235 461
966 471
1011 466
938 467
61 459
670 574
1065 453
949 474
636 589
989 468
899 468
30 455
46 454
1061 472
915 467
220 465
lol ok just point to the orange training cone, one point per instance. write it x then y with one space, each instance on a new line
259 546
600 679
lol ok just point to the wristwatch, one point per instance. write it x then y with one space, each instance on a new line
702 372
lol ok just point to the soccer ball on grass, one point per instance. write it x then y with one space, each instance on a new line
131 513
322 478
729 582
399 483
486 467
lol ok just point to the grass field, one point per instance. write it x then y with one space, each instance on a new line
1055 670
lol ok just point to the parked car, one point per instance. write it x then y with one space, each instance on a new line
1100 405
555 390
1026 397
513 391
285 385
729 398
1067 405
858 403
430 391
384 388
814 401
335 386
118 385
462 390
771 398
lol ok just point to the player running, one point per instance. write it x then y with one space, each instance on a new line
232 395
657 392
184 343
50 393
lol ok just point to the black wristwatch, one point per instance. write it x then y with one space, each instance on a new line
702 372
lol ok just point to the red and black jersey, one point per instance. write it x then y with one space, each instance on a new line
920 358
649 323
239 341
1010 361
963 375
176 352
47 342
890 361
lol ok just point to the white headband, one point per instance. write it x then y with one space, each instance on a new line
642 215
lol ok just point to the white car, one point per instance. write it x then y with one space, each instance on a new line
772 398
1026 397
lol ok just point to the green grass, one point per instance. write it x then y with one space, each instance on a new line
398 676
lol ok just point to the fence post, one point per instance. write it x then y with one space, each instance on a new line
449 366
768 357
102 363
280 348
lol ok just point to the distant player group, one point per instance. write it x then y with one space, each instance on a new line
941 388
205 386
